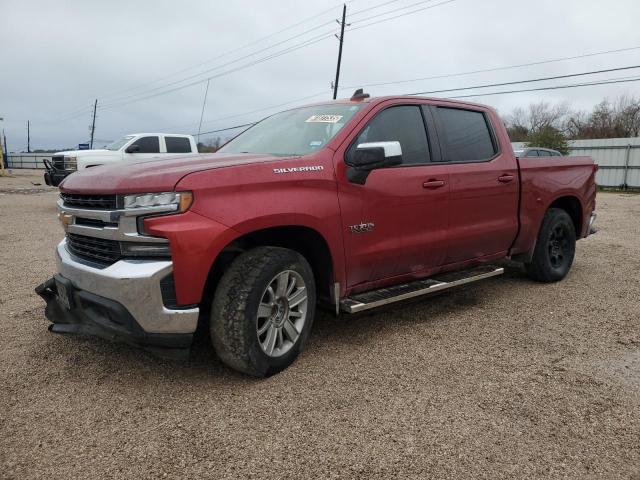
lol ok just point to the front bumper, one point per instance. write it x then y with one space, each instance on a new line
55 177
120 302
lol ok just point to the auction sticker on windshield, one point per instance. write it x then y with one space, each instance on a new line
323 119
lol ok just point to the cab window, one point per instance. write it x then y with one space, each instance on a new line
148 144
465 134
178 144
403 124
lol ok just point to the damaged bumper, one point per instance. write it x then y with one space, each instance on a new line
122 302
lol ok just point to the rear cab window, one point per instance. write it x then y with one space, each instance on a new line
177 144
465 135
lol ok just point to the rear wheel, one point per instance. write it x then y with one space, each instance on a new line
263 310
555 247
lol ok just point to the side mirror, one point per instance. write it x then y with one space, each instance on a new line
370 156
133 148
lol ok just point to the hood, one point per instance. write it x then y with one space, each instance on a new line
152 175
84 153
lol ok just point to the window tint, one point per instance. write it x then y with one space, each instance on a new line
532 153
148 144
403 124
178 145
466 135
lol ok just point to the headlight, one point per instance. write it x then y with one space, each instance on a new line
174 201
70 163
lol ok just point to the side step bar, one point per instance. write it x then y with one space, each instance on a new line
375 298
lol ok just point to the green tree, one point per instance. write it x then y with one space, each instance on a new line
549 137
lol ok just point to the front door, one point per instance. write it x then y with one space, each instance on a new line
149 147
395 223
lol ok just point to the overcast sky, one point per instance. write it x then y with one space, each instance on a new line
57 57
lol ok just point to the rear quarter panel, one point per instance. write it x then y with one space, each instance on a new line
543 181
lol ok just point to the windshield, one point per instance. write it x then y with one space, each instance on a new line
117 145
294 132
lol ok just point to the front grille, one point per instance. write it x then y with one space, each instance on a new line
92 222
58 161
97 249
97 202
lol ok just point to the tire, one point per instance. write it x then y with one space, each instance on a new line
555 247
263 294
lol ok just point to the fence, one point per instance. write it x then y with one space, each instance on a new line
618 159
26 160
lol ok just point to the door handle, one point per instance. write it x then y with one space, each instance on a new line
505 178
433 183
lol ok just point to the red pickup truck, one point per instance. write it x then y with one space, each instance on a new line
348 204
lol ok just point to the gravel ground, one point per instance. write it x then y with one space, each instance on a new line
504 378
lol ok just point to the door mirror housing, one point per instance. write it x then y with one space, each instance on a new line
133 149
370 156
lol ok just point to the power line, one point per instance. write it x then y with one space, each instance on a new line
259 40
394 10
255 62
311 41
229 128
402 15
493 69
121 101
204 102
254 111
557 87
594 72
557 77
554 87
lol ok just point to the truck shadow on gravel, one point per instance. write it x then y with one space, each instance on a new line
88 354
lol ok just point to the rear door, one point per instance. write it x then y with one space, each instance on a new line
483 179
177 146
394 224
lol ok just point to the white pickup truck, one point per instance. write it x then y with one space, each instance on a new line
132 147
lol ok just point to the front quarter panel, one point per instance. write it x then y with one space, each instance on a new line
298 191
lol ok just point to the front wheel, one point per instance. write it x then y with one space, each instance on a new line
263 310
555 247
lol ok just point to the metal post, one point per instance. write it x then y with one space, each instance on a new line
204 102
626 167
335 85
93 124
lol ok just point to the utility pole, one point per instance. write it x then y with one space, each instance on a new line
342 25
28 137
93 124
204 102
335 84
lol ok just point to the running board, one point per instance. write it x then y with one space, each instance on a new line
375 298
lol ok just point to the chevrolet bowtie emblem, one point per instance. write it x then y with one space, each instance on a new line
65 218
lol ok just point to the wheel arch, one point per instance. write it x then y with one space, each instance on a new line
572 205
305 240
